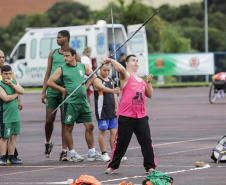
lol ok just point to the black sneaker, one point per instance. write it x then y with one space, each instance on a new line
49 147
63 156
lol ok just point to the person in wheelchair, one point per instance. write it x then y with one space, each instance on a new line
219 81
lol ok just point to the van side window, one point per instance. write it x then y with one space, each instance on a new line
101 43
19 53
137 42
78 43
33 48
45 48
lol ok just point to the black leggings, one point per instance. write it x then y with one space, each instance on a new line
126 127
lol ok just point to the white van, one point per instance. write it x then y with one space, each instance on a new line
30 55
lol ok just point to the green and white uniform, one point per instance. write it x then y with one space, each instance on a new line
54 98
76 108
9 113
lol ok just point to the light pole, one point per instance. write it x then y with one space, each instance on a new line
206 32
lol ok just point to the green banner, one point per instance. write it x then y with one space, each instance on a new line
181 64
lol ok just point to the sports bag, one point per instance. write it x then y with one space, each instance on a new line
219 152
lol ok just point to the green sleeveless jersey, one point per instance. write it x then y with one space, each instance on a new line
9 112
72 77
57 61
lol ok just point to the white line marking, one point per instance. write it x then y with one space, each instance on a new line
177 142
175 152
179 171
29 171
186 151
63 182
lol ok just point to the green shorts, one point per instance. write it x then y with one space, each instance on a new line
53 102
7 129
78 113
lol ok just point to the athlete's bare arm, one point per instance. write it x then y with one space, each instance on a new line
47 75
98 86
51 82
78 58
5 97
116 99
89 72
149 89
20 106
123 74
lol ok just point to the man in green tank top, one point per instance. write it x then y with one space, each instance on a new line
53 98
9 115
76 108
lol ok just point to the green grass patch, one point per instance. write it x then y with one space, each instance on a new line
188 84
33 88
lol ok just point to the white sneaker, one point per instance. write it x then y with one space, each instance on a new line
124 158
76 158
95 157
105 157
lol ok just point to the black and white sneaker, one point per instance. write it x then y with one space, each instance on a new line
49 147
63 156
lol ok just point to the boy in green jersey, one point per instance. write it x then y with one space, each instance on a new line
20 106
53 98
9 115
76 108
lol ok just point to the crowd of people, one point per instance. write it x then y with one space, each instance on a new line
66 71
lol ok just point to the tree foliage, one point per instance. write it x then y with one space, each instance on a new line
68 14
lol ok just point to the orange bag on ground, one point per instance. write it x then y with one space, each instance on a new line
87 180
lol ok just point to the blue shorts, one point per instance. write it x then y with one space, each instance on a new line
106 124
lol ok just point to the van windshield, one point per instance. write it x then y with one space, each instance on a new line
19 53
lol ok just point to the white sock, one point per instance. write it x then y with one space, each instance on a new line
92 151
48 142
72 152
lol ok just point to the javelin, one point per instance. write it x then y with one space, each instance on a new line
113 36
103 64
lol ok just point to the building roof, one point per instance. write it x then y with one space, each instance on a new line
10 8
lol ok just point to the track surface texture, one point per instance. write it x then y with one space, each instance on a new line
185 128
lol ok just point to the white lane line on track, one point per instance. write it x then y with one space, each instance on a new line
177 142
113 180
178 171
93 166
186 151
30 171
177 152
63 182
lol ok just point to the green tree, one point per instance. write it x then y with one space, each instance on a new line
66 13
17 24
38 20
215 40
173 42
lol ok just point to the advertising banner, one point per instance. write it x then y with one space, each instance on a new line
181 64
